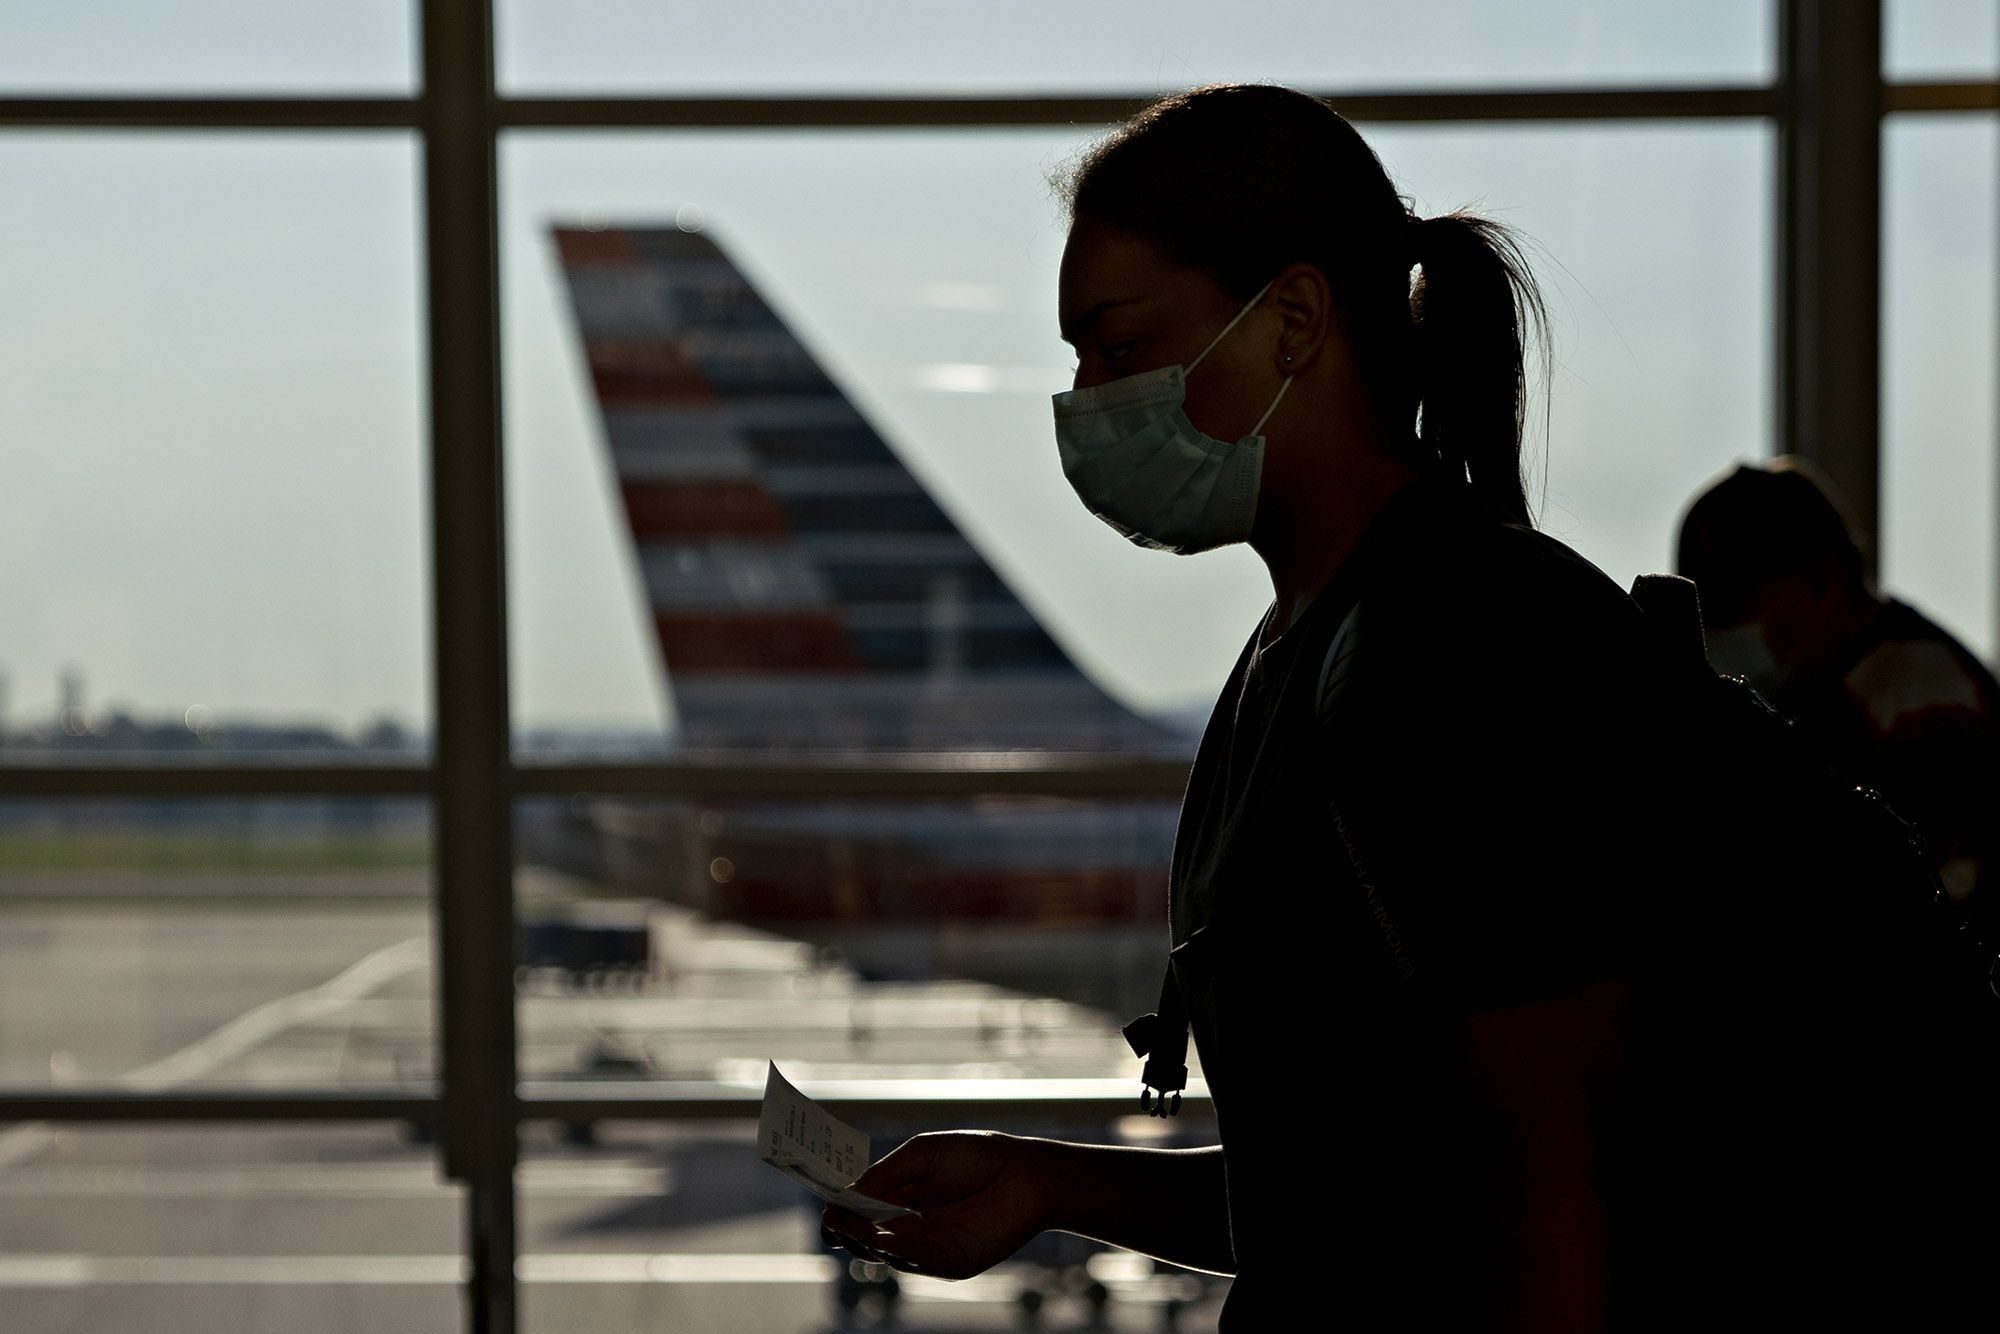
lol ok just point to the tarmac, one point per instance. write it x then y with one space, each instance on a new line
317 979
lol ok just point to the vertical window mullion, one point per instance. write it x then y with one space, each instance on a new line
472 790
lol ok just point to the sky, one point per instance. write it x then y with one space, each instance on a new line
211 387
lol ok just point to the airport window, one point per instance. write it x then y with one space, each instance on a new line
227 1227
926 291
1939 351
819 920
159 945
1940 39
209 47
1129 46
280 740
214 421
1640 231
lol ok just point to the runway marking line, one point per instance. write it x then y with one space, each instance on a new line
240 1034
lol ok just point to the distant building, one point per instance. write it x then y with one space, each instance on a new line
69 701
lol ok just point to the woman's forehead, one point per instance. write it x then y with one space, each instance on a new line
1103 264
1098 252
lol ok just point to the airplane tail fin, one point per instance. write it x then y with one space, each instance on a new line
806 591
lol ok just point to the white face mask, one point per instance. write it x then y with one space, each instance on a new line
1139 464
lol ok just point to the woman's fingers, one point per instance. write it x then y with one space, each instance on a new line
844 1220
847 1241
910 1164
838 1227
949 1176
879 1248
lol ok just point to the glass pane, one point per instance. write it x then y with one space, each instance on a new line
917 272
123 47
923 942
796 46
1941 290
158 945
211 422
138 1229
811 904
644 1226
1941 39
1652 244
905 285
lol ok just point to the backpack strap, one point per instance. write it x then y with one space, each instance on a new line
1673 607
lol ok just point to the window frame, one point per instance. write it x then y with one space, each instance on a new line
473 779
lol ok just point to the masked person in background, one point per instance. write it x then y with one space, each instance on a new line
1889 698
1403 885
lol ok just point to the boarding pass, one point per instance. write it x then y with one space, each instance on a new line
814 1148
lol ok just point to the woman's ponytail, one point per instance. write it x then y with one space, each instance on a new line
1475 309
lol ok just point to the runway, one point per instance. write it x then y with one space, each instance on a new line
338 1228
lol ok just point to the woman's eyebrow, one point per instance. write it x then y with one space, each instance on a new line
1081 325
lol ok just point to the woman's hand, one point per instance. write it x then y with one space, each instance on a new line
981 1196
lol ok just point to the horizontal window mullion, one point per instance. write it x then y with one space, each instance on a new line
857 112
749 111
39 781
216 113
1909 97
1044 1101
1073 1101
218 1105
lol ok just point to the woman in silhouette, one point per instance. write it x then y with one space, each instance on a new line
1395 902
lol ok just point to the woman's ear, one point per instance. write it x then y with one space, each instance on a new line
1304 301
